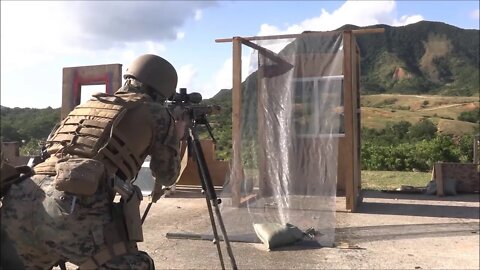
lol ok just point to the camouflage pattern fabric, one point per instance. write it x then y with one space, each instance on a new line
47 229
165 157
47 225
9 258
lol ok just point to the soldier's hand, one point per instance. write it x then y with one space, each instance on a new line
180 116
179 113
180 126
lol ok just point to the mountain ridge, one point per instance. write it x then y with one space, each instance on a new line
422 58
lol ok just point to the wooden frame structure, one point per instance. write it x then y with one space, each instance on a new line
348 176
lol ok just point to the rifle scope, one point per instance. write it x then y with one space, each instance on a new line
183 97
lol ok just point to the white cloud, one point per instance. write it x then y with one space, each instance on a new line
27 33
160 20
405 20
180 35
360 13
36 32
222 79
475 14
155 48
186 76
198 14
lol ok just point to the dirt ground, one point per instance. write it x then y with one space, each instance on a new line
390 231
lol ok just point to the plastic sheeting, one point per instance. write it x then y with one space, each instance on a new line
291 119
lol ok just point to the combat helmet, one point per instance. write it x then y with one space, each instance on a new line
155 72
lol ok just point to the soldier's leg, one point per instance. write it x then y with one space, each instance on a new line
9 258
18 220
76 221
138 260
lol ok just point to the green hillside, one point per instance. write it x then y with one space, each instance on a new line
425 57
444 111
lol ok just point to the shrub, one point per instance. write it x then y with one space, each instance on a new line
470 116
424 129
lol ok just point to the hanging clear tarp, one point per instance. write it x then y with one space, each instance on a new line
291 120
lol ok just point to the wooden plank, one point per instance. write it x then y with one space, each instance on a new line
236 120
271 55
306 33
348 122
358 144
355 123
368 31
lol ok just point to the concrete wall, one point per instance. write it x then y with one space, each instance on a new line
11 154
466 177
74 77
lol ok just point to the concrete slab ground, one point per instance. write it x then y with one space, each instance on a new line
390 231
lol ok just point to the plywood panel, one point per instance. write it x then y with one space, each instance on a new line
218 169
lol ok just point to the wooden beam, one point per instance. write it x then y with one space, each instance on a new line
366 31
306 33
349 111
236 121
356 125
271 55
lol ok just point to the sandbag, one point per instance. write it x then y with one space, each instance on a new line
274 235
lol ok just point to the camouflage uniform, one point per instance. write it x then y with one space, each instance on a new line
48 225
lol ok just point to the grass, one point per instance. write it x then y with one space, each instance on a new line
378 110
390 180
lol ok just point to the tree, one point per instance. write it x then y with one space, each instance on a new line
424 129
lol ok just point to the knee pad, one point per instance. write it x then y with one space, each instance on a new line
137 260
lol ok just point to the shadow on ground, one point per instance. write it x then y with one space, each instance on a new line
461 197
419 210
407 231
460 206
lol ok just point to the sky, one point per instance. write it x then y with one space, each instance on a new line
40 38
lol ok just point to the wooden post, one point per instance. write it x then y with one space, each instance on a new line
348 159
236 120
355 64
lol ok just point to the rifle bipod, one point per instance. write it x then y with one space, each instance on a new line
193 144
